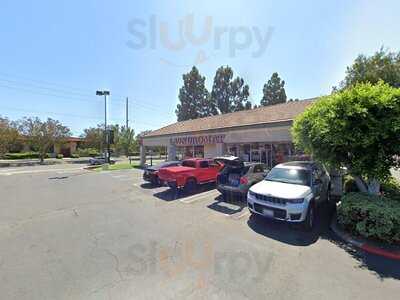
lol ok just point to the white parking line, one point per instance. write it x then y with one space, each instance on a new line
197 197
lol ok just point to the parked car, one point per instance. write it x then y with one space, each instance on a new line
150 173
290 192
190 174
94 161
236 177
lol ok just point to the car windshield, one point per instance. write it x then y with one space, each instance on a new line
292 176
189 163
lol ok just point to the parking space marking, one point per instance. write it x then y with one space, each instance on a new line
197 197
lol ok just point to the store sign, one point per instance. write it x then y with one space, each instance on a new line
198 140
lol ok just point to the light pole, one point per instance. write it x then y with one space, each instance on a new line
105 94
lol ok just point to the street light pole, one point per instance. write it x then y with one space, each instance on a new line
106 135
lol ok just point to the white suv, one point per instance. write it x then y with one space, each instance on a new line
290 192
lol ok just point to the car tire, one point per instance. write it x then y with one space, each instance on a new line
190 186
309 222
223 196
155 181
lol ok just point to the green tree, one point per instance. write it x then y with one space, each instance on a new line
8 135
93 137
383 65
124 139
194 98
274 91
43 135
229 94
358 128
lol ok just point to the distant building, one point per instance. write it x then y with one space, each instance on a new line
67 149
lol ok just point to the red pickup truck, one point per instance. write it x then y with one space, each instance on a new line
191 173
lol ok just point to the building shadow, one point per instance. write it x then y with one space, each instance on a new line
293 234
228 206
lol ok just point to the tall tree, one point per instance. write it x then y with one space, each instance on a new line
274 91
194 98
383 65
8 135
43 135
124 139
94 137
227 94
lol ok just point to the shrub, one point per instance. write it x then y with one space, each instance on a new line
88 152
23 155
391 189
59 156
371 216
75 155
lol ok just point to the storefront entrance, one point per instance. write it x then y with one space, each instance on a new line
268 154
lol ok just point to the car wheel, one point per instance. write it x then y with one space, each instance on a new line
155 181
310 219
190 186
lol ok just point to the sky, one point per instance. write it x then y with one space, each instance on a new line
54 55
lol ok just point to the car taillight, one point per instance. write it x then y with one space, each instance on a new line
243 180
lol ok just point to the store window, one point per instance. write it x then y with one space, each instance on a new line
189 152
199 151
246 152
255 153
233 150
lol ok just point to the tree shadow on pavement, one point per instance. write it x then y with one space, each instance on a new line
380 266
293 234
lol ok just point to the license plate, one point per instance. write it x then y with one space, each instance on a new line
268 212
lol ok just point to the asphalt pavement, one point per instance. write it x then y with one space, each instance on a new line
69 233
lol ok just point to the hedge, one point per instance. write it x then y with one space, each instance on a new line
371 216
88 152
23 155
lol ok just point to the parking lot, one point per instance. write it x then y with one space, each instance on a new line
69 233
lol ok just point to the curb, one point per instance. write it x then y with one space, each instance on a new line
361 244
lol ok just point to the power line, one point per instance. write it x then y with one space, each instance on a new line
74 115
73 96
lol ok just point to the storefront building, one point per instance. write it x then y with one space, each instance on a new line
258 135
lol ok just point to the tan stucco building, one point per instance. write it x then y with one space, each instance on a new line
258 135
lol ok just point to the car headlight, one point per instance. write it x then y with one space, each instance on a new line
299 200
252 193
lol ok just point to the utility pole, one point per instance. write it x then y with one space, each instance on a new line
106 134
127 110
